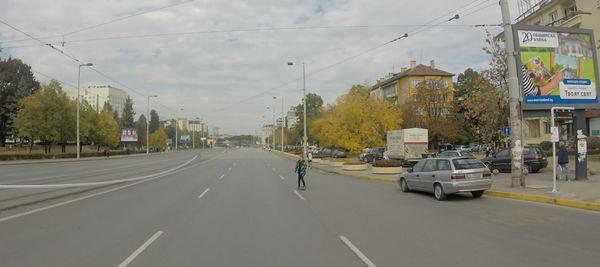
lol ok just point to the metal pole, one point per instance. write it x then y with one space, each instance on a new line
273 128
305 138
553 153
176 126
516 134
282 123
148 128
78 97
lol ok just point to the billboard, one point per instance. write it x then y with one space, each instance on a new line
129 135
185 138
556 67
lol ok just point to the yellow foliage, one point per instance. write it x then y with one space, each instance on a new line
158 138
355 120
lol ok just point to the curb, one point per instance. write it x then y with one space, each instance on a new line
527 197
549 200
367 177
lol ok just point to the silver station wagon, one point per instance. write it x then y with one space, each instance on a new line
443 176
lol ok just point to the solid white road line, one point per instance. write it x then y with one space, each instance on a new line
200 196
222 175
281 177
298 194
140 249
357 252
13 186
78 199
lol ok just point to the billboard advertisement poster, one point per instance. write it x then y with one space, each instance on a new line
558 67
129 135
185 138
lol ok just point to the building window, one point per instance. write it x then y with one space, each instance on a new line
416 83
419 111
433 84
534 128
554 17
445 83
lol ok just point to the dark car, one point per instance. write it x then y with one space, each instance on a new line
455 153
376 153
444 147
534 159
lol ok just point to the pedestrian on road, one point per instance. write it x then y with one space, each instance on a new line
563 162
309 158
301 170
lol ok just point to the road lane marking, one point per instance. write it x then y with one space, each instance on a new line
298 194
140 249
200 196
13 186
357 252
281 177
273 169
230 168
83 198
222 175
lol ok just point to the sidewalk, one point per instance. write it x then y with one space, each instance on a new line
583 194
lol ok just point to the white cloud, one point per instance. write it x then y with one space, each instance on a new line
229 78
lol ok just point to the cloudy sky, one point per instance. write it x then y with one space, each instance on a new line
224 61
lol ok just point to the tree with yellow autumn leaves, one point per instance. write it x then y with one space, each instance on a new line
356 119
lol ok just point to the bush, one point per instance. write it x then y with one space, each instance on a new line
341 160
593 142
546 145
354 163
387 163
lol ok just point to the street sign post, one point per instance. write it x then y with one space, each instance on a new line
506 131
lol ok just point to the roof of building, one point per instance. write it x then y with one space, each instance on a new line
419 70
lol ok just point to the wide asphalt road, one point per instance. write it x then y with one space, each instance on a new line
240 208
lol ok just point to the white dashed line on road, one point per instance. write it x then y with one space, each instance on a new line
274 169
357 252
140 249
222 175
201 195
281 177
298 194
230 168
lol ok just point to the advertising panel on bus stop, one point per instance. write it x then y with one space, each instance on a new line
556 67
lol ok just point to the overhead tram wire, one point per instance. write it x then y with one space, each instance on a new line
77 60
352 57
106 22
141 36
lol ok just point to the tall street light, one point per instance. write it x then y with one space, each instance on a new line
282 121
148 125
305 138
78 101
176 126
273 128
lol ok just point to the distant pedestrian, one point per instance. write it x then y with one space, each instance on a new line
309 158
107 152
487 151
563 162
301 170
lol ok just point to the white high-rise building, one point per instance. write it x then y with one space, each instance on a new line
97 95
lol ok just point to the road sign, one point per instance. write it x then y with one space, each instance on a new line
506 131
553 134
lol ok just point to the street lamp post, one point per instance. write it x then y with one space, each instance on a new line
273 127
148 125
78 102
305 137
282 121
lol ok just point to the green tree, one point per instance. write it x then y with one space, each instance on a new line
465 86
154 121
314 108
108 130
140 125
127 115
16 82
46 115
158 138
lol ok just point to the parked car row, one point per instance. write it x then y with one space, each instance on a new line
331 152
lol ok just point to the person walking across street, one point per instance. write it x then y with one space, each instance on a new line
301 170
563 162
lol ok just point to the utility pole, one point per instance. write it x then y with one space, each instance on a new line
514 101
